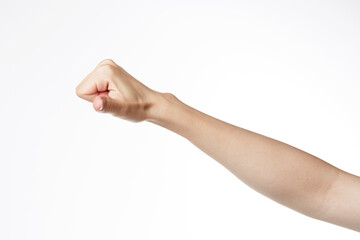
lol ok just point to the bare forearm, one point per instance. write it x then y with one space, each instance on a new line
285 174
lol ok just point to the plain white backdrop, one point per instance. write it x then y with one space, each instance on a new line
286 69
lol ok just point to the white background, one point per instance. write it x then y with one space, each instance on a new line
285 69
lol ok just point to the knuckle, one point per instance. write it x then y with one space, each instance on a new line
78 91
107 69
107 61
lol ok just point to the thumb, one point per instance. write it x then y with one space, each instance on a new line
106 104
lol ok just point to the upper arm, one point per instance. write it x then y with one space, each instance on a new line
342 202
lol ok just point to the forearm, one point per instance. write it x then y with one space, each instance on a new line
285 174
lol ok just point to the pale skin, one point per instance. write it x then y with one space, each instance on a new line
287 175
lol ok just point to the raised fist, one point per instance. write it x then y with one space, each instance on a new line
113 90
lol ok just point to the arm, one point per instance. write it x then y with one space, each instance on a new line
285 174
279 171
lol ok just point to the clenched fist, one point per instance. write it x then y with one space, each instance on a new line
113 90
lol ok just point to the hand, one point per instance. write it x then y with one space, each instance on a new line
112 90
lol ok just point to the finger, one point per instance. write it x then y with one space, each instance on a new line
97 81
104 103
87 91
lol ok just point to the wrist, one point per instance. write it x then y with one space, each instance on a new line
160 107
169 112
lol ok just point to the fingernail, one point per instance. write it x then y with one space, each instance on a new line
101 108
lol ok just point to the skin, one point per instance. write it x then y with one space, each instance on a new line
287 175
